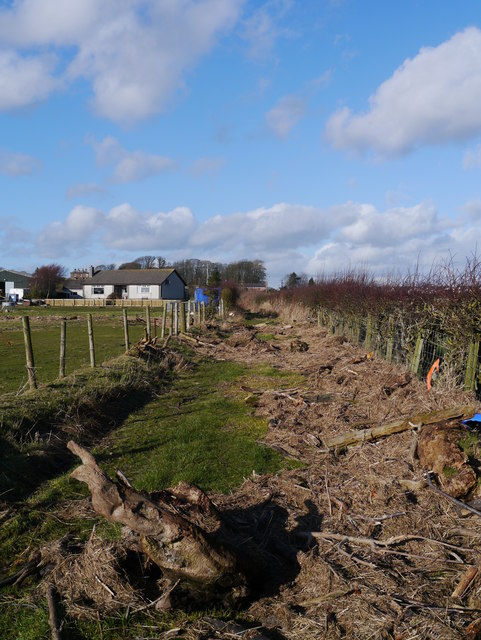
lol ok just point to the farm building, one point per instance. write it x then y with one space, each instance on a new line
136 284
13 284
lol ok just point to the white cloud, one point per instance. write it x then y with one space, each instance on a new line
81 226
285 115
136 64
129 229
129 166
430 99
17 164
25 80
134 53
262 28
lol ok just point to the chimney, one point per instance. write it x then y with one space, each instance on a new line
91 271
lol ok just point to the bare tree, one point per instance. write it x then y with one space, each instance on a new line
45 280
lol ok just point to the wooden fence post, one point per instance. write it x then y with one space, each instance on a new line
91 340
187 319
368 339
176 318
390 339
148 332
418 349
203 311
63 346
471 366
126 329
171 328
27 336
164 320
183 325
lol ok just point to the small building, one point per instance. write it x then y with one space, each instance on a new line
136 284
14 284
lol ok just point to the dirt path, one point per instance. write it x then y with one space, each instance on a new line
343 510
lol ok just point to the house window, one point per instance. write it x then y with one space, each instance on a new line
143 289
98 290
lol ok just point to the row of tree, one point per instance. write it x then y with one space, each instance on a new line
203 272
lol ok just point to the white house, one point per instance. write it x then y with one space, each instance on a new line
136 284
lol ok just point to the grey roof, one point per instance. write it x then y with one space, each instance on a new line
19 278
131 276
71 283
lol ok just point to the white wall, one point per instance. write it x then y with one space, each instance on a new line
89 291
134 294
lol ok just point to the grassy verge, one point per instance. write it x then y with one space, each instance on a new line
201 430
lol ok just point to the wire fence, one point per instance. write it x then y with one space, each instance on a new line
419 347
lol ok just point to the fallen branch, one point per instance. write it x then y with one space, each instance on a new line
366 435
374 543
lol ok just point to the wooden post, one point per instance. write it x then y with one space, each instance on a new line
147 323
27 336
318 317
417 353
390 339
368 339
203 311
171 328
183 326
198 314
164 320
63 345
176 318
187 319
471 366
126 329
91 340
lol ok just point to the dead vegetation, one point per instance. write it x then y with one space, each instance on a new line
356 543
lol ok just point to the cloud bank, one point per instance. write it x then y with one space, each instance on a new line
286 236
430 99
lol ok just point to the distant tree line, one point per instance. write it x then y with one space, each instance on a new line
204 272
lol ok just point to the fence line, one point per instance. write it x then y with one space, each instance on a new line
413 346
182 316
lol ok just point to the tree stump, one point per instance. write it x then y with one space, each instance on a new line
169 528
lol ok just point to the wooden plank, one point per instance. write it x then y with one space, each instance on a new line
374 433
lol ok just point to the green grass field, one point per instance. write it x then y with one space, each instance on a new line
45 326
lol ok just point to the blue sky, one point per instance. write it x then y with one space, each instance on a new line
312 134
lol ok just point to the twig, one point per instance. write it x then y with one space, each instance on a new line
373 543
105 586
123 478
466 581
455 501
161 597
52 615
328 495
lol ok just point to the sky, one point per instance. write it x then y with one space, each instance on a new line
316 135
